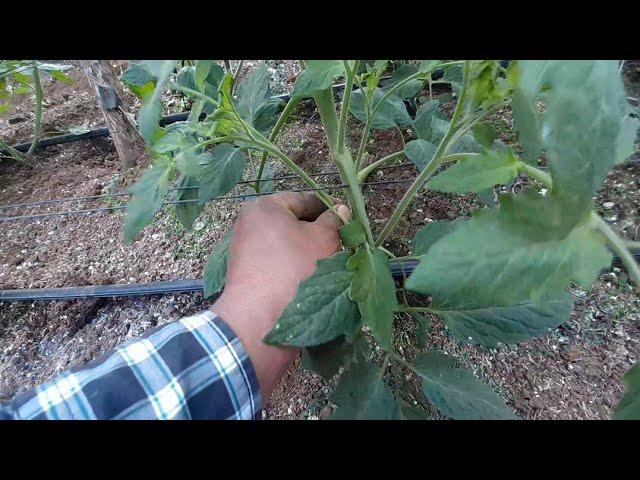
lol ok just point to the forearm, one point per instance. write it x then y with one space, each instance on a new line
195 368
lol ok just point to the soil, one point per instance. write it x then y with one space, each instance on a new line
573 373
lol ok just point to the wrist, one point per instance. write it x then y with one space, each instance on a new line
251 313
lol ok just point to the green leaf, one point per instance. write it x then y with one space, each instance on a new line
148 193
409 412
527 124
374 290
456 392
430 234
477 172
321 309
226 117
424 118
363 395
490 325
173 141
326 359
215 271
139 80
410 89
57 72
626 144
428 65
629 406
352 234
420 152
192 164
391 114
61 77
485 134
486 88
4 108
585 109
318 75
188 212
151 110
254 99
495 260
423 326
222 173
203 68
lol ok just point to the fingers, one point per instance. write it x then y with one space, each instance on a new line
304 205
330 220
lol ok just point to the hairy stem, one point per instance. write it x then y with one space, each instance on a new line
346 101
343 160
195 93
13 153
235 75
537 174
618 245
272 149
372 113
288 109
365 172
39 95
431 166
327 109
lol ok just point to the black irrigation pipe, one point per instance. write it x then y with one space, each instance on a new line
177 202
400 269
166 120
140 289
112 195
104 131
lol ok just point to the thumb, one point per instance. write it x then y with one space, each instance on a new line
328 218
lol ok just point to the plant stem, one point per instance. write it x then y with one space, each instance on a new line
632 244
371 114
36 127
324 197
235 74
537 174
327 109
288 109
618 246
227 65
431 166
346 167
343 160
195 93
365 172
13 153
346 101
383 367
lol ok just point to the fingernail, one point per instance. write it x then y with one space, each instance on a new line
344 212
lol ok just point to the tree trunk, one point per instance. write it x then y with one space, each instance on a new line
104 81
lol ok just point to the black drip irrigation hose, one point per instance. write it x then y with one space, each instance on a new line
166 120
400 269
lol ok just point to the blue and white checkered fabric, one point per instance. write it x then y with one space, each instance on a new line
195 368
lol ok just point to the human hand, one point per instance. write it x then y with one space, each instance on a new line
275 243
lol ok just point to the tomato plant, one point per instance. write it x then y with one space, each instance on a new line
22 77
499 276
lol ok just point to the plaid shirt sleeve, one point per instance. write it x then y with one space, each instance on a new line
195 368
